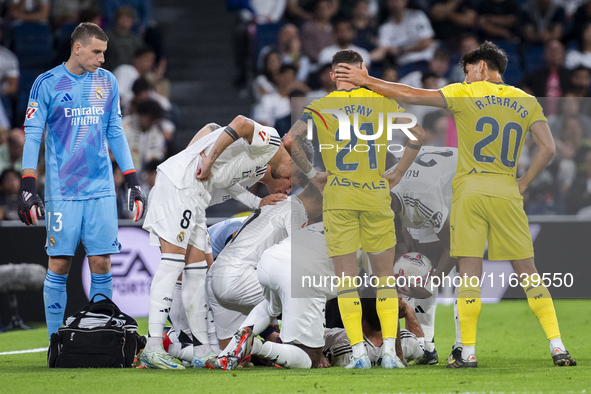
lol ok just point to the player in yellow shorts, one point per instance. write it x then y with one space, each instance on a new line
492 119
357 211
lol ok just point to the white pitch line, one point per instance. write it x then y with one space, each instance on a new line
38 350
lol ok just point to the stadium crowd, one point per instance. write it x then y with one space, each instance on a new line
285 50
36 36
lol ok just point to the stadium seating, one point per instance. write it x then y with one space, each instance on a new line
514 73
33 45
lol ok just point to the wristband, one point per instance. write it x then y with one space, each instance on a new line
132 178
312 173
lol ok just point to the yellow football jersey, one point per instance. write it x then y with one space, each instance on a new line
355 163
492 120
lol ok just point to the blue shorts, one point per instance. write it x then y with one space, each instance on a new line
94 222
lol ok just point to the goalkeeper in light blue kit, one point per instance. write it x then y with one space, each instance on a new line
77 104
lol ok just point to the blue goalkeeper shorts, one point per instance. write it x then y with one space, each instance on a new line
94 222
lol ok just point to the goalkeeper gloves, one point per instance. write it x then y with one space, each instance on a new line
136 201
30 206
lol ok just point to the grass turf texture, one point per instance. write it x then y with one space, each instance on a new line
513 356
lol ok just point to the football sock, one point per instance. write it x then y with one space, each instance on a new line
358 350
211 334
101 283
350 307
457 321
195 301
556 343
425 310
468 351
469 305
170 267
285 355
181 351
421 342
259 318
387 308
54 299
389 346
541 304
177 314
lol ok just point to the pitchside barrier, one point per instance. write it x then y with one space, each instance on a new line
562 245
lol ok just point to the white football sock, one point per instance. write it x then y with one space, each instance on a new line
425 311
177 314
182 353
467 351
170 267
195 302
257 345
285 355
211 333
556 343
421 341
259 317
457 321
359 349
389 346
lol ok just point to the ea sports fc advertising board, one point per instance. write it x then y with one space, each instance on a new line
562 251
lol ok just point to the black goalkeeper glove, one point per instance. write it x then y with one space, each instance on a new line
136 201
30 206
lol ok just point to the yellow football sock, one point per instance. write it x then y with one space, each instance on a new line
350 307
541 304
387 307
469 305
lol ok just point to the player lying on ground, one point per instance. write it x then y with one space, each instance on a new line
488 205
357 217
176 221
421 202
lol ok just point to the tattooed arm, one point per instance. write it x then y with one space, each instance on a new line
240 127
296 134
207 129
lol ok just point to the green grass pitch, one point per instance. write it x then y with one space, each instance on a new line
513 357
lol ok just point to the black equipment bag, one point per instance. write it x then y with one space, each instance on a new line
97 336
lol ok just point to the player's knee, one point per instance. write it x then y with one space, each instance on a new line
239 122
99 264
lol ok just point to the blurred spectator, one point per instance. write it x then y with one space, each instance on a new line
9 80
123 42
390 74
3 135
296 12
143 8
581 81
10 185
144 133
343 33
29 10
267 12
429 80
276 105
552 80
468 43
126 74
578 199
265 82
451 19
11 153
435 125
569 107
283 124
366 30
289 48
542 21
582 55
581 18
327 85
65 12
497 19
438 67
408 35
149 179
142 90
317 33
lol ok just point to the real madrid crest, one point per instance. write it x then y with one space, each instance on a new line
99 93
51 240
181 236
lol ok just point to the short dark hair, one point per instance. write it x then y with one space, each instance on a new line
495 57
152 165
9 170
85 31
124 11
347 56
150 107
141 85
288 67
296 93
141 51
580 68
427 75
